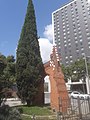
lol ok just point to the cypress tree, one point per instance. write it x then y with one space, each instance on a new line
29 66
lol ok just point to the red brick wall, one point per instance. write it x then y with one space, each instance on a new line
58 86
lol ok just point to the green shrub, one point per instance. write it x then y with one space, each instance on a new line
7 113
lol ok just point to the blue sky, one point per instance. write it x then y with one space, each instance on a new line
12 14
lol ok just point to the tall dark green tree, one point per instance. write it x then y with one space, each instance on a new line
29 66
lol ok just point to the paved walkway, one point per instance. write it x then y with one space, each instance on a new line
47 117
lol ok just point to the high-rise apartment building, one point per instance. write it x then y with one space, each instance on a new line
71 24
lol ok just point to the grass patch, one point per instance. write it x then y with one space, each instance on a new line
36 110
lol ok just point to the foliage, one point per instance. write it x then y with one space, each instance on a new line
29 66
7 74
9 71
7 113
76 71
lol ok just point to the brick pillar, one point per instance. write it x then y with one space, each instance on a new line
58 86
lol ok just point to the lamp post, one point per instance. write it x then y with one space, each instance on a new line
87 75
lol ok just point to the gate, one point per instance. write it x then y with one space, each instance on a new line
74 109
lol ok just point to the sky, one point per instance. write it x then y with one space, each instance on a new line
12 15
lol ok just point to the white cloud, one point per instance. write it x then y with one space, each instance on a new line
46 43
45 49
89 1
48 33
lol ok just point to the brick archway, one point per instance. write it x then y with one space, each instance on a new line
57 83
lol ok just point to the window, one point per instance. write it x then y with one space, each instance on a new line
88 37
70 56
73 19
73 22
75 33
68 32
83 53
81 40
71 61
58 32
66 15
75 2
85 18
64 33
76 41
63 23
59 39
66 57
79 32
75 37
67 25
78 25
64 37
67 22
67 28
62 16
58 28
66 18
65 45
58 25
69 40
69 44
63 30
63 20
76 9
80 36
88 34
84 14
86 25
74 29
82 49
67 62
58 36
46 87
78 21
88 43
73 15
85 21
71 4
77 50
65 41
77 17
79 28
63 26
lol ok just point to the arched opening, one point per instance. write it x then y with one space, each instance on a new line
47 90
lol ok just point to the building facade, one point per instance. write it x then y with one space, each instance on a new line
71 25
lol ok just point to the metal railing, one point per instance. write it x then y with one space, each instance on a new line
74 109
